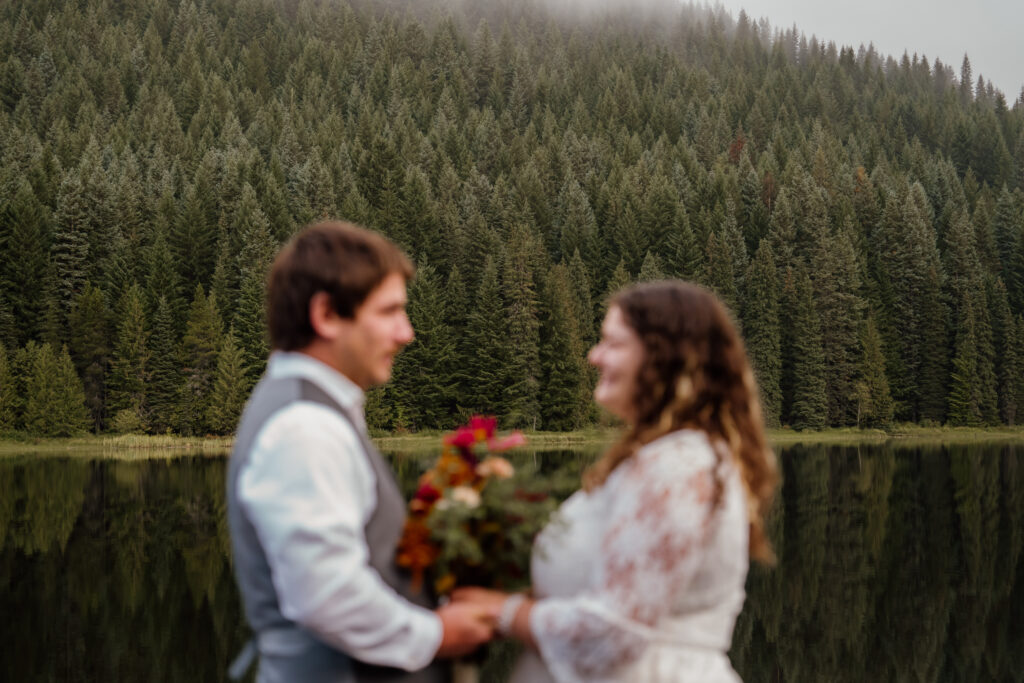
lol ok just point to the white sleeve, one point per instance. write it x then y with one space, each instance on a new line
659 512
309 499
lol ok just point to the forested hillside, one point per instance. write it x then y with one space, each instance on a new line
862 215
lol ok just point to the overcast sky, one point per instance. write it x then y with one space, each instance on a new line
991 32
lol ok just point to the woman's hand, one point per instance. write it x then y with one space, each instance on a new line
490 601
510 611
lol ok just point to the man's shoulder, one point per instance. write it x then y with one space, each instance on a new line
306 421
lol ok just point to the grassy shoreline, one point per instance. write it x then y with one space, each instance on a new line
133 447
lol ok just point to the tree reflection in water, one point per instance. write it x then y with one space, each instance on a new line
895 564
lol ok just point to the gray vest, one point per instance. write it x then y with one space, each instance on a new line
288 653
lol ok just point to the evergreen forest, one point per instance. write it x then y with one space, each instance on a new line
861 214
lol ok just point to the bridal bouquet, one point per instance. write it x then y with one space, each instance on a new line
473 517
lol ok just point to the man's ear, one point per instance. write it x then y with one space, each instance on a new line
325 321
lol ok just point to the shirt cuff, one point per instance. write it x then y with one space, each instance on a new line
427 626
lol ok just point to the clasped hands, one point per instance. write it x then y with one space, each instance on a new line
475 616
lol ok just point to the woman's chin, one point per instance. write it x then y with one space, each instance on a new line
610 404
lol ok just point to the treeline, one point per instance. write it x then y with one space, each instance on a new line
862 216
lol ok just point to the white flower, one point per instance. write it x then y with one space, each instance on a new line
498 467
466 495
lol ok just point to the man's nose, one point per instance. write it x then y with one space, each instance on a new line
405 331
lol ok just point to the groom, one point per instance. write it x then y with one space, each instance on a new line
314 511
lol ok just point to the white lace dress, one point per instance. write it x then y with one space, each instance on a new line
642 579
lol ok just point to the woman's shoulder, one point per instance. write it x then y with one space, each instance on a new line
682 452
693 443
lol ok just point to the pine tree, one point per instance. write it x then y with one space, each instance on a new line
965 393
619 280
576 222
720 275
1018 353
685 259
7 396
583 306
651 269
810 402
164 370
834 271
129 371
563 370
485 348
55 400
70 249
162 275
23 230
761 330
89 337
7 325
910 268
874 404
191 238
521 405
230 387
423 384
198 359
1010 367
250 320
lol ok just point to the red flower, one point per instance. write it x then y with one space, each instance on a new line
463 438
428 493
487 425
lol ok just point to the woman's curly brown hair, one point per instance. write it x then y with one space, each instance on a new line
695 375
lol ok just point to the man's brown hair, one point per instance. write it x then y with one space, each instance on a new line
342 260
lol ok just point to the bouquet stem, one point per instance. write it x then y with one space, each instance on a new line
465 671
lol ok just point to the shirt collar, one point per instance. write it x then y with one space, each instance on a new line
297 364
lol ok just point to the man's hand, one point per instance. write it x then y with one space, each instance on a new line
490 601
466 627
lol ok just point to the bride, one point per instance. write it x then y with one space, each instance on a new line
641 576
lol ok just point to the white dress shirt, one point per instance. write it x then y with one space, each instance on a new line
309 492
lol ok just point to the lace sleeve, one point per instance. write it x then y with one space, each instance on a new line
660 509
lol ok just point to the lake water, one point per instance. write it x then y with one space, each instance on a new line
895 564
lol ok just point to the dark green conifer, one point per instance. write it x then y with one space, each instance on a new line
423 384
583 306
835 273
685 259
250 321
162 278
164 370
563 369
810 402
720 275
1007 368
54 397
651 269
965 394
70 249
761 330
485 348
129 365
230 387
7 393
576 222
521 404
874 402
198 359
619 280
89 337
23 235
